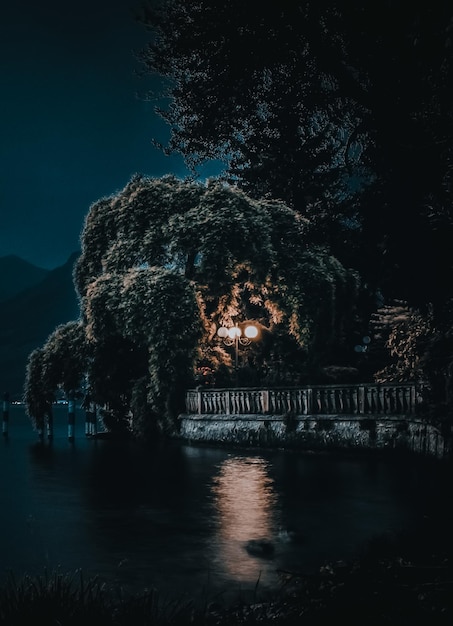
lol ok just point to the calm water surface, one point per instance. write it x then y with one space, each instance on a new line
179 517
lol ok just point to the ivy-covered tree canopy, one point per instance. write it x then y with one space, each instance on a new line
165 262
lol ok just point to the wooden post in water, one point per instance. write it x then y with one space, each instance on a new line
90 415
71 416
87 408
93 424
49 424
90 420
5 414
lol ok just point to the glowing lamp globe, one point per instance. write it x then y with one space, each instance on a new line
234 332
251 332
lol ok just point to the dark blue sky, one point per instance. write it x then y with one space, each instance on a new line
73 128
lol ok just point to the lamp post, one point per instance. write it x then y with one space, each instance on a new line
234 336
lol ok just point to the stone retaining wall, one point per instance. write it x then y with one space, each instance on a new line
317 432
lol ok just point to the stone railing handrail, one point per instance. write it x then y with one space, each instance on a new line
360 399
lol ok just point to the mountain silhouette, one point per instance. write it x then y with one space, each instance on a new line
30 316
17 275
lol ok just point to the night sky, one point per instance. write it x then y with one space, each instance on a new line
74 124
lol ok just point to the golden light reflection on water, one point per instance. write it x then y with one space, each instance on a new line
245 501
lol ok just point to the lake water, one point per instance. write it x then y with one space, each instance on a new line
179 517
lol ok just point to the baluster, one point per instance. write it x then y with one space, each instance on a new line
354 400
323 398
271 401
392 400
291 401
310 402
346 400
332 403
368 400
235 400
336 400
231 402
339 401
380 399
262 397
361 400
416 396
247 402
398 400
386 400
350 397
299 402
304 402
317 404
295 401
407 400
277 399
326 400
374 400
281 402
288 401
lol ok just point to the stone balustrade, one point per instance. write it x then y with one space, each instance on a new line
364 399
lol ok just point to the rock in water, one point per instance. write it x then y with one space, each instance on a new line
260 547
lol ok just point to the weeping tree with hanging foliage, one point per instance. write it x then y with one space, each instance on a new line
59 364
165 262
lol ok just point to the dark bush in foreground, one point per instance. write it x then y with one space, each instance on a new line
400 580
57 599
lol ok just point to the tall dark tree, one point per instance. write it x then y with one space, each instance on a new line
343 110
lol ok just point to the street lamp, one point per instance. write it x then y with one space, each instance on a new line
234 336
